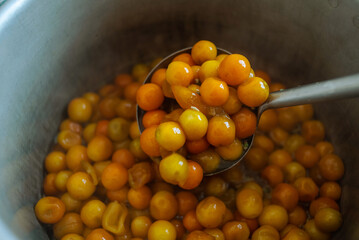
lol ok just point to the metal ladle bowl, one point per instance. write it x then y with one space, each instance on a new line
340 88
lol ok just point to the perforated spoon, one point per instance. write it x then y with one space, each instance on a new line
339 88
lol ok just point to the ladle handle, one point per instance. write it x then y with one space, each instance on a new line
339 88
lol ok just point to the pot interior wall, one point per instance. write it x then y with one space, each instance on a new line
52 52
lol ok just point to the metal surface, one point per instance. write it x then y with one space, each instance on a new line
336 89
52 51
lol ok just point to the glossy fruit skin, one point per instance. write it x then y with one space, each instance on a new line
80 186
249 203
202 51
253 186
100 148
114 176
163 206
180 230
163 230
296 234
66 139
159 76
245 122
72 236
71 204
232 105
91 213
194 124
69 223
49 210
208 69
197 146
234 69
61 180
118 195
214 92
170 136
254 92
99 234
216 233
174 169
209 160
195 176
184 57
275 216
124 157
199 235
221 131
55 162
234 230
153 118
179 73
79 110
140 226
73 126
75 155
139 198
149 96
232 151
210 212
126 109
149 143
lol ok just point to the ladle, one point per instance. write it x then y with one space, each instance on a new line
339 88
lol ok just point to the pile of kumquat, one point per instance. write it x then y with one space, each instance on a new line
107 181
214 96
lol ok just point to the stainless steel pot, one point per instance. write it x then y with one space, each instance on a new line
51 51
